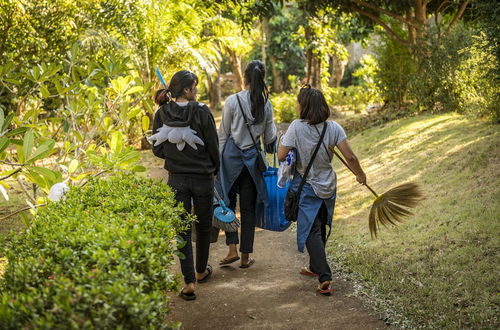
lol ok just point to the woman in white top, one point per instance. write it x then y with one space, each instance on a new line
317 199
239 172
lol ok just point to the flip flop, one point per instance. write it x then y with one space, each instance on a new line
250 263
324 291
187 296
307 272
206 277
226 261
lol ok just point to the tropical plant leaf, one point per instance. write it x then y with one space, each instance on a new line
4 143
116 143
145 122
28 141
42 151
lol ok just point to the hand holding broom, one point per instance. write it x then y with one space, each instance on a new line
392 206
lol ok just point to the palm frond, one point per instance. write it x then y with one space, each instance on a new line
392 206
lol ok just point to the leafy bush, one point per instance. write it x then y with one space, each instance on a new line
352 98
366 74
396 68
447 72
285 106
99 258
453 74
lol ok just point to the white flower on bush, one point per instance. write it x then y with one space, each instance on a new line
57 191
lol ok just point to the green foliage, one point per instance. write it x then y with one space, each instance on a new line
366 74
99 258
396 68
285 46
453 74
352 98
285 107
94 109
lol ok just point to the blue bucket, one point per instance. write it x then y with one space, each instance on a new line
275 213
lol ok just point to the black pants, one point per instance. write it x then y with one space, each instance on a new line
245 186
199 189
315 244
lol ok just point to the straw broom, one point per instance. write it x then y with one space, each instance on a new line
392 206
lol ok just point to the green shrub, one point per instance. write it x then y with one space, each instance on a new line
367 73
352 98
285 106
395 70
97 259
454 74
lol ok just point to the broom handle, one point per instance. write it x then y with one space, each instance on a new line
345 163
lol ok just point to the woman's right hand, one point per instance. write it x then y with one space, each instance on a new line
361 178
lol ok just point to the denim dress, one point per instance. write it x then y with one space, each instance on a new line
233 159
309 206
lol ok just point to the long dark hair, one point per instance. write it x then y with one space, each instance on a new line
313 106
254 78
180 80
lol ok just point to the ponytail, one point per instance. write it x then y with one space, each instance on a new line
162 96
180 80
259 94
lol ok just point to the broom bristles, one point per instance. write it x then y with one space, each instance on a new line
392 206
226 226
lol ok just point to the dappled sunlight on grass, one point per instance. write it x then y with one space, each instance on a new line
424 267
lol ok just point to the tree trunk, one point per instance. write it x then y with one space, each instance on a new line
277 77
421 19
272 64
336 69
214 91
316 71
236 64
265 38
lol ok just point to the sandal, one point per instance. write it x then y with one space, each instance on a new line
187 296
307 272
324 288
206 277
248 264
227 261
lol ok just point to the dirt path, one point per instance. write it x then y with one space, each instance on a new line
269 295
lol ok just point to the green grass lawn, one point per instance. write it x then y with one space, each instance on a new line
439 269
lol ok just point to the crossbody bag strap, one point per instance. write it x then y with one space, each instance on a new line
246 121
312 159
327 150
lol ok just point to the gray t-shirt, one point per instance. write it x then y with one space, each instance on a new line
233 123
304 137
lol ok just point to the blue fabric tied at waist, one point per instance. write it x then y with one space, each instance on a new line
309 205
233 160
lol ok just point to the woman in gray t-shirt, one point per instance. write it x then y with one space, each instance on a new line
317 198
